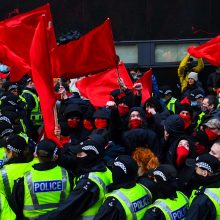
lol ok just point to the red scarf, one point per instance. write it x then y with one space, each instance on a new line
73 123
123 110
135 123
101 123
211 134
186 120
87 124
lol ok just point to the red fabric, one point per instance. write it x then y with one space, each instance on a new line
211 134
200 149
135 123
146 80
97 88
40 64
94 52
123 109
17 34
185 101
87 124
182 154
18 66
101 123
209 51
73 123
186 120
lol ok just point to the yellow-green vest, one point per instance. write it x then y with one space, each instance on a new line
44 191
102 179
2 156
36 116
214 195
175 209
199 121
23 100
24 135
6 212
134 200
171 105
9 173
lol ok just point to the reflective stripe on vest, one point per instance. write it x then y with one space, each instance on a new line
214 195
5 179
99 180
171 105
134 201
36 205
102 180
177 212
128 203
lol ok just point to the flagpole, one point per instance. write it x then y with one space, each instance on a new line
56 118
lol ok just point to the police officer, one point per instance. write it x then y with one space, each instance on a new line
166 98
169 204
14 164
33 108
90 184
127 199
204 200
44 187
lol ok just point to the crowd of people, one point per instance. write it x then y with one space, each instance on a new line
125 160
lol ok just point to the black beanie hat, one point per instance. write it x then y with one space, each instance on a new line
102 113
185 107
153 102
174 125
16 144
124 169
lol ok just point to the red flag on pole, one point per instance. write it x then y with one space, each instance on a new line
210 51
146 80
92 53
97 88
41 74
16 63
17 33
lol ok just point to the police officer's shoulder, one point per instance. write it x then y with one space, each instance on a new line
111 202
85 184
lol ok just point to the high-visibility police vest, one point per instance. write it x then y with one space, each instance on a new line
23 135
9 173
134 200
173 209
171 105
2 156
102 179
44 191
23 101
36 115
6 212
214 195
199 121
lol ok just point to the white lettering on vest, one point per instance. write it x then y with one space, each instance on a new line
48 186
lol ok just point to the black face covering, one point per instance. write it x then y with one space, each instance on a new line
87 162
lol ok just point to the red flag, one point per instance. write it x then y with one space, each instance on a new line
146 80
16 63
97 88
94 52
209 51
40 64
17 34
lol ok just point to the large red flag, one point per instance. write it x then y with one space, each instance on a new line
146 80
97 88
210 51
16 63
17 33
40 64
92 53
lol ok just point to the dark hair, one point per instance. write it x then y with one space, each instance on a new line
212 100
